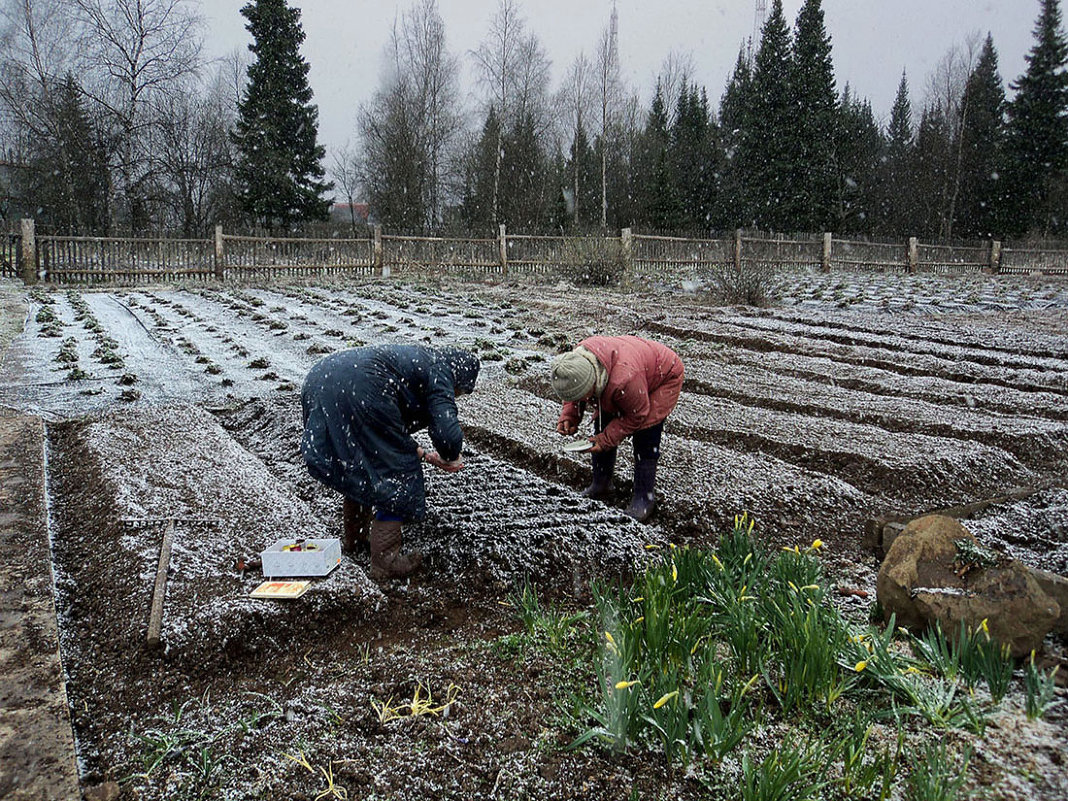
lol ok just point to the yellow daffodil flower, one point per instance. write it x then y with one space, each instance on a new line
664 699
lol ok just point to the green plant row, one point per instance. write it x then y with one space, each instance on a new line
706 649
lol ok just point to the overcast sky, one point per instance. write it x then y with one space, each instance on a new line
872 41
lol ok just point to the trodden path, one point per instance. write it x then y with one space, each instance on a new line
37 759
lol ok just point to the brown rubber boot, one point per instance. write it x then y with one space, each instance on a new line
357 526
386 559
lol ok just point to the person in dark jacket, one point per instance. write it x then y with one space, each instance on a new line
360 409
632 385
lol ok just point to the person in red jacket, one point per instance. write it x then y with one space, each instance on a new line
631 384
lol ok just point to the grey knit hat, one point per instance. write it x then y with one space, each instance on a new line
573 375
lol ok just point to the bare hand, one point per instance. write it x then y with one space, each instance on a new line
566 427
449 467
597 446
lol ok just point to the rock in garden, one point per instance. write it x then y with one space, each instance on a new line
936 571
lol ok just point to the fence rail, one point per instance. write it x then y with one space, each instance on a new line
1017 261
954 259
82 259
869 256
537 254
438 253
247 256
72 259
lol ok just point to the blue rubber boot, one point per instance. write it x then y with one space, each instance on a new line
643 504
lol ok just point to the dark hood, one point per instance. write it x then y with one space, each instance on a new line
464 366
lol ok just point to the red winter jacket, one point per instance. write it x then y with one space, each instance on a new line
644 381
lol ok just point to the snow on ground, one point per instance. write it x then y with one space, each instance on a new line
886 394
177 462
812 413
1034 529
493 520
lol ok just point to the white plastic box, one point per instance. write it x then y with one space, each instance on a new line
318 561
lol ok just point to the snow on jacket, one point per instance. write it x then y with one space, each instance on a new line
360 409
644 382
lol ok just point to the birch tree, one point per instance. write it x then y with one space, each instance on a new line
410 130
136 54
609 95
946 91
575 102
514 73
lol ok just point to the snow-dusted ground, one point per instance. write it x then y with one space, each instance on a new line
887 394
812 415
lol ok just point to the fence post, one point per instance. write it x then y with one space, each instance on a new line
376 252
995 256
502 247
626 248
825 259
220 254
914 255
738 251
28 255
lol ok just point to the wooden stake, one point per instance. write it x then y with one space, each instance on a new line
155 617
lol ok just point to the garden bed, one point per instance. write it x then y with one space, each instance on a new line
812 417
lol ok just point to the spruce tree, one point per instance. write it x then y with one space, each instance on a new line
583 181
816 174
768 147
654 173
928 173
894 211
732 210
1037 141
980 199
67 177
524 174
858 145
695 158
279 168
480 176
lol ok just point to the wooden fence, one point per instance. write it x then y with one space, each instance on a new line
83 259
72 259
